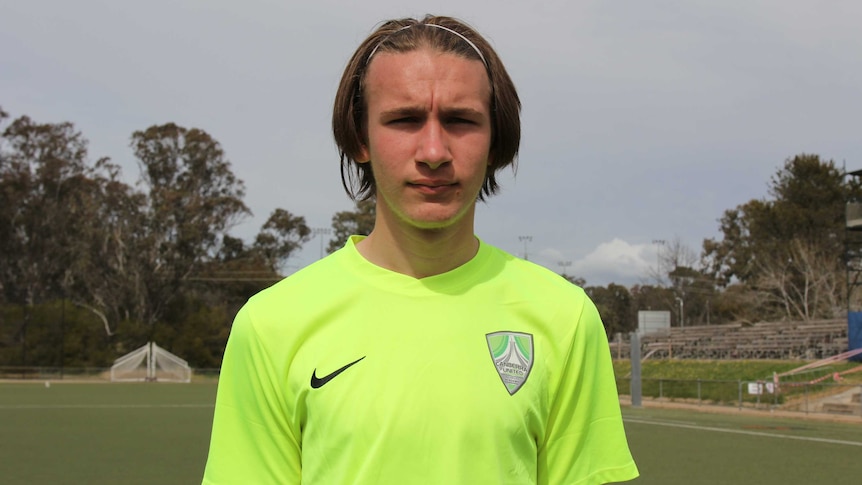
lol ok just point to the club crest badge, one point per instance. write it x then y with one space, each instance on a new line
512 353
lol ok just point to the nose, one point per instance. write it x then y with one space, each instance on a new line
433 149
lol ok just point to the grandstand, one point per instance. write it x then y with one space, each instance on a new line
809 340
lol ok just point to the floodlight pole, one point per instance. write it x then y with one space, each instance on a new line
681 314
320 231
525 240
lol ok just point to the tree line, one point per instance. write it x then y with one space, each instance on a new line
92 267
784 257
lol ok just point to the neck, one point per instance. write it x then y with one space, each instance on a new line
420 252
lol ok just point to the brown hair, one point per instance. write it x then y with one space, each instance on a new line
405 35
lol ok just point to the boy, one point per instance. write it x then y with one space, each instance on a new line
419 354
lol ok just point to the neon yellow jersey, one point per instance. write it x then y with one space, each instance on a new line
497 372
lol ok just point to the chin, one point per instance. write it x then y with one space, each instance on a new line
435 217
436 223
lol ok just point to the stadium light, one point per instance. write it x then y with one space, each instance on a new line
320 231
525 240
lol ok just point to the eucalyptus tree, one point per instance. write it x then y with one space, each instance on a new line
346 223
280 237
51 219
614 303
788 247
192 200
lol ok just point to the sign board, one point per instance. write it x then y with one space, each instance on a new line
757 388
652 321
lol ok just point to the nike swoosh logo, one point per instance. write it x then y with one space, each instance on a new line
320 381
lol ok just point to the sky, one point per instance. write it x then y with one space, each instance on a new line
642 121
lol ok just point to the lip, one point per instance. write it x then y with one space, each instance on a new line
432 182
432 186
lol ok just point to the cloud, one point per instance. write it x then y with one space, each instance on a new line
614 261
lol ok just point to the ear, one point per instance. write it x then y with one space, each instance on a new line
363 156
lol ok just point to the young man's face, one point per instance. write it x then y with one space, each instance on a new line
429 135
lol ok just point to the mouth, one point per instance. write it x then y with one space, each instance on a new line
430 187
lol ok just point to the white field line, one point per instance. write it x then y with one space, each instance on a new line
740 431
102 406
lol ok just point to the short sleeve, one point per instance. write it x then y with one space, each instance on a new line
585 442
252 440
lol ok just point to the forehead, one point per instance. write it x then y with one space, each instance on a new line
425 73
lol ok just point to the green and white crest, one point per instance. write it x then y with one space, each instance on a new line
512 353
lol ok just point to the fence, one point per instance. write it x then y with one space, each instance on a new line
804 397
76 373
827 398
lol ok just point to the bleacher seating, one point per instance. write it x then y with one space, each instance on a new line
765 340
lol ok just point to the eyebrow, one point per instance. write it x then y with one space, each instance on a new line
420 111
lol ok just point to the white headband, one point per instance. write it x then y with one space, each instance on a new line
447 29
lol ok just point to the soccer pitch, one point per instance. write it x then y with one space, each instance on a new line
690 447
100 433
104 433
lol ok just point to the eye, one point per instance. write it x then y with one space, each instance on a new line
461 121
405 120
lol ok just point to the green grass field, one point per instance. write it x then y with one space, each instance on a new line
158 433
104 433
690 447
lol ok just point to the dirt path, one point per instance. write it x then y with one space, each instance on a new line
761 412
